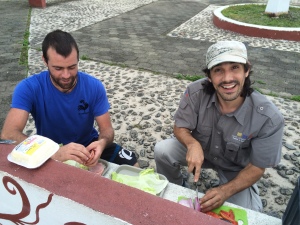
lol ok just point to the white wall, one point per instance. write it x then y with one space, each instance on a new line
59 210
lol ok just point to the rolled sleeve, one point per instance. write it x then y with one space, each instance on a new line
266 147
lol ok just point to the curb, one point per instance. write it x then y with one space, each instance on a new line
290 34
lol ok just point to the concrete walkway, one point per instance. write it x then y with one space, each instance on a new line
138 39
13 19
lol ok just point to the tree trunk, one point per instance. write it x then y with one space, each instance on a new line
277 7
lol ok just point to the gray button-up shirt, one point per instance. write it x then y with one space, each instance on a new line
253 133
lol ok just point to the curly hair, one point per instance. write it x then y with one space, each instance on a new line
247 89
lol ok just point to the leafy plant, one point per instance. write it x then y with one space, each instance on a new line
188 77
296 98
260 82
25 46
273 94
84 57
258 90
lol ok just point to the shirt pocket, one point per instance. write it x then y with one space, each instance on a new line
203 135
238 153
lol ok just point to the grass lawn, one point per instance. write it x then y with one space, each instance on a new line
255 14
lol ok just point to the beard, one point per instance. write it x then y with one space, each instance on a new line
64 84
229 96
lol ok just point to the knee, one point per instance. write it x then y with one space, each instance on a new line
158 150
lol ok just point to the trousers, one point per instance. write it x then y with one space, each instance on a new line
170 154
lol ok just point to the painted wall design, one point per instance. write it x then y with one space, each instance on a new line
23 203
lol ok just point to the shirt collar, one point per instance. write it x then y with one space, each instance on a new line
212 100
239 114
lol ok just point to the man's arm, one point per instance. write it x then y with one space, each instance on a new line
106 137
106 131
194 156
13 129
14 125
215 197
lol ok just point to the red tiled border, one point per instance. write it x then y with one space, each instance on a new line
290 34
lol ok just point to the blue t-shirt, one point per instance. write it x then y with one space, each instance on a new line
62 117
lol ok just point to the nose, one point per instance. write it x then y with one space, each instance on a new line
227 75
66 73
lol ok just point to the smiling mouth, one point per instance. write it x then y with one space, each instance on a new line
229 86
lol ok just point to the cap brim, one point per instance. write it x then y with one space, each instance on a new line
226 58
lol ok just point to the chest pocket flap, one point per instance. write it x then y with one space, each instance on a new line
231 151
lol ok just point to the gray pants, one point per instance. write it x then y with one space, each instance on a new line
169 154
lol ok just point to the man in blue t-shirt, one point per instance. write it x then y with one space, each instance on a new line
64 104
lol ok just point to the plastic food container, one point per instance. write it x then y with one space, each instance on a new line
33 151
134 171
100 169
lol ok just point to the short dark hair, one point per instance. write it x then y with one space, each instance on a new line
61 41
247 89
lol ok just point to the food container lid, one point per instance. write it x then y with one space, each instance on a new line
33 151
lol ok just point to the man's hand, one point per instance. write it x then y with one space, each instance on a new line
213 198
106 137
95 148
72 151
194 158
194 155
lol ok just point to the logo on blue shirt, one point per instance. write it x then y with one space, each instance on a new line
83 107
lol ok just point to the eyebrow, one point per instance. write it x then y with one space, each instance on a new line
67 66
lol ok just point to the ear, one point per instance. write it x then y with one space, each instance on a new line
208 77
247 73
249 69
44 61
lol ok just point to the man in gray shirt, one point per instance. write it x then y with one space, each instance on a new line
222 123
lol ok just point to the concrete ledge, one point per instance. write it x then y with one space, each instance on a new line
97 193
82 197
290 34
